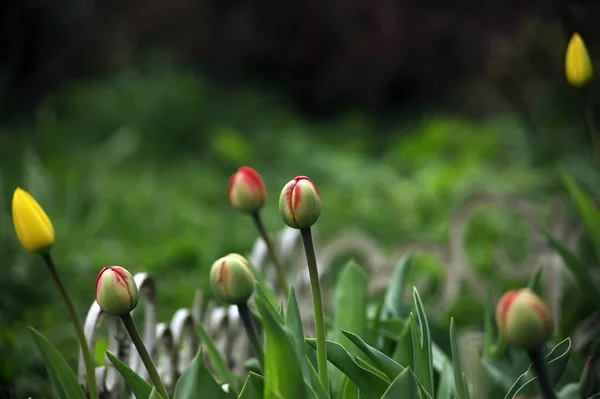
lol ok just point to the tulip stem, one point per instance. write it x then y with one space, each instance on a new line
588 119
141 348
272 253
90 370
248 324
315 286
539 366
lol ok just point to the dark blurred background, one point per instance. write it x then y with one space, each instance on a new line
125 120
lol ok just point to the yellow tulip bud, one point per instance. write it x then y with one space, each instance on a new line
34 228
578 66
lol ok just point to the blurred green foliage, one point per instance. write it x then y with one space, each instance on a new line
133 171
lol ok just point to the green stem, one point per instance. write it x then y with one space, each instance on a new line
141 348
315 287
272 253
90 370
588 119
539 366
246 317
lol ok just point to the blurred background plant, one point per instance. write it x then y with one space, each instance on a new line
126 120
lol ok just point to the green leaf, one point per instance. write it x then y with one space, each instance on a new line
586 207
569 391
267 297
422 345
580 272
446 384
62 376
403 354
315 381
350 311
348 390
217 359
140 388
387 365
253 387
499 374
196 378
535 282
283 375
350 305
393 297
404 386
462 389
556 360
369 383
294 324
154 394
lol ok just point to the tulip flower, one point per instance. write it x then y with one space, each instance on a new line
578 66
300 208
116 291
525 322
300 203
36 233
524 319
34 228
117 295
247 194
232 281
247 191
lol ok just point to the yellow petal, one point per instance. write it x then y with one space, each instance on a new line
578 66
34 228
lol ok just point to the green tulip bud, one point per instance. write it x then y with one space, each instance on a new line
116 291
300 203
232 279
524 319
247 192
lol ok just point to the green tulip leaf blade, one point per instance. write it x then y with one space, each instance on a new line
369 383
140 388
61 374
154 394
253 387
283 373
384 363
576 267
404 386
556 361
197 378
217 359
462 389
393 296
446 384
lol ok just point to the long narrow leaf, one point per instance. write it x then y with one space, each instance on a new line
370 384
196 378
253 387
217 359
580 272
459 381
62 376
404 386
140 388
556 360
387 365
283 375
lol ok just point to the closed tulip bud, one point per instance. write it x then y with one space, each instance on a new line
232 279
300 203
34 228
524 319
578 66
116 291
247 191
